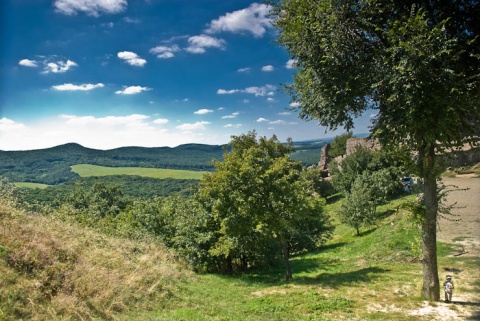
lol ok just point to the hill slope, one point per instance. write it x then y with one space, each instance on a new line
52 165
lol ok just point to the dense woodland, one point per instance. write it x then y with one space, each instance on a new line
52 165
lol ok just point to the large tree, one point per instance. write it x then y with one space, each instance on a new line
415 62
261 203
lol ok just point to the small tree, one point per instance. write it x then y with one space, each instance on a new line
358 209
260 203
339 145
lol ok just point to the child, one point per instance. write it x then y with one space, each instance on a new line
448 285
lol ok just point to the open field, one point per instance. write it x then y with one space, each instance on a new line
30 185
86 170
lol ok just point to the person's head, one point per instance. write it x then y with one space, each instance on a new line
449 277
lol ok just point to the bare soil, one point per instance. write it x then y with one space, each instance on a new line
461 229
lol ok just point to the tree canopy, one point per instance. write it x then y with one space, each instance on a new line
262 204
415 63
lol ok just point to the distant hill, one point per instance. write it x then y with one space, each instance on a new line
52 165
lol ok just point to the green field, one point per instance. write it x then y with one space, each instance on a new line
86 170
30 185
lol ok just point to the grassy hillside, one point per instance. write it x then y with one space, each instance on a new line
86 170
51 270
55 271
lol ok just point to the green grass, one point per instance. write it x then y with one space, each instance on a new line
375 276
30 185
86 170
357 278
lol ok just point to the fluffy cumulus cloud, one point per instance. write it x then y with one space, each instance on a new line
198 44
91 7
199 125
131 58
290 64
165 52
160 121
254 19
59 66
28 63
104 132
72 87
132 90
262 120
203 111
268 68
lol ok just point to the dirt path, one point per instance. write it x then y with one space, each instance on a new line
462 229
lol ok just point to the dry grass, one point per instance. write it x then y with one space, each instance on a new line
52 270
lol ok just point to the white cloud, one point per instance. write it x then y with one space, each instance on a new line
277 122
227 92
8 124
285 113
203 111
131 20
233 115
261 120
106 121
290 64
107 132
199 125
246 101
165 52
197 44
267 90
131 90
28 63
270 100
295 105
232 126
59 66
268 68
90 7
253 19
160 121
131 58
247 69
72 87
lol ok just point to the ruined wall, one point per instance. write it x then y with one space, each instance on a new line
352 143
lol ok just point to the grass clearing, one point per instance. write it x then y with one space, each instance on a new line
86 170
30 185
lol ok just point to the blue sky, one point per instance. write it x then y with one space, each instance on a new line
112 73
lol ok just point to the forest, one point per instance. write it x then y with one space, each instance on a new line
51 166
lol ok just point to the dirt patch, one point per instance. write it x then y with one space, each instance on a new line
462 230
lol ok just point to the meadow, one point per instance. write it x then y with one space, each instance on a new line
57 271
87 170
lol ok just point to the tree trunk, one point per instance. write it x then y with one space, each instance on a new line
431 284
286 260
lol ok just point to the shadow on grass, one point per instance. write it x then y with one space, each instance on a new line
334 198
384 214
336 279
